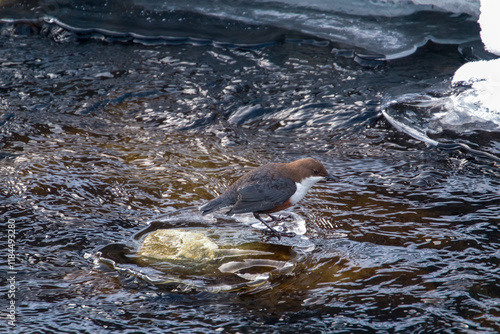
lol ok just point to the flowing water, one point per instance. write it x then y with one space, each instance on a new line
120 119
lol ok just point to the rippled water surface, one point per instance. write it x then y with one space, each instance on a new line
103 142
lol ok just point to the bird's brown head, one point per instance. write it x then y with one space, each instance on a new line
308 167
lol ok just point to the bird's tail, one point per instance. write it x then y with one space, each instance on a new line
215 204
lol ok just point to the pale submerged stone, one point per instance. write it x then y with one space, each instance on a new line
174 244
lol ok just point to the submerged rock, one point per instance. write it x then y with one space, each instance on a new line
174 244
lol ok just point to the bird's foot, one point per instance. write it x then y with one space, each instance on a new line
280 234
272 230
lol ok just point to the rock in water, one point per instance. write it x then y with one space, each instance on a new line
175 244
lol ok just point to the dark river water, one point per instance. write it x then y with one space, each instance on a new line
120 119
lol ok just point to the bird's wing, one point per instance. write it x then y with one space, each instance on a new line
263 196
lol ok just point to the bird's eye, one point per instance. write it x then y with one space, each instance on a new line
316 172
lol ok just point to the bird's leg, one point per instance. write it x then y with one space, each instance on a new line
279 234
274 218
279 218
256 215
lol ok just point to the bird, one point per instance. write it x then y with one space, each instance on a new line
269 188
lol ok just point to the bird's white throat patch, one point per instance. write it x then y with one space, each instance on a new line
303 187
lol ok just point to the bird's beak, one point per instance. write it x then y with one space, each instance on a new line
330 178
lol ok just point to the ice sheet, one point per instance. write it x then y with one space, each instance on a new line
490 25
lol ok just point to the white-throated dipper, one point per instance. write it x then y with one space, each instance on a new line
270 188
